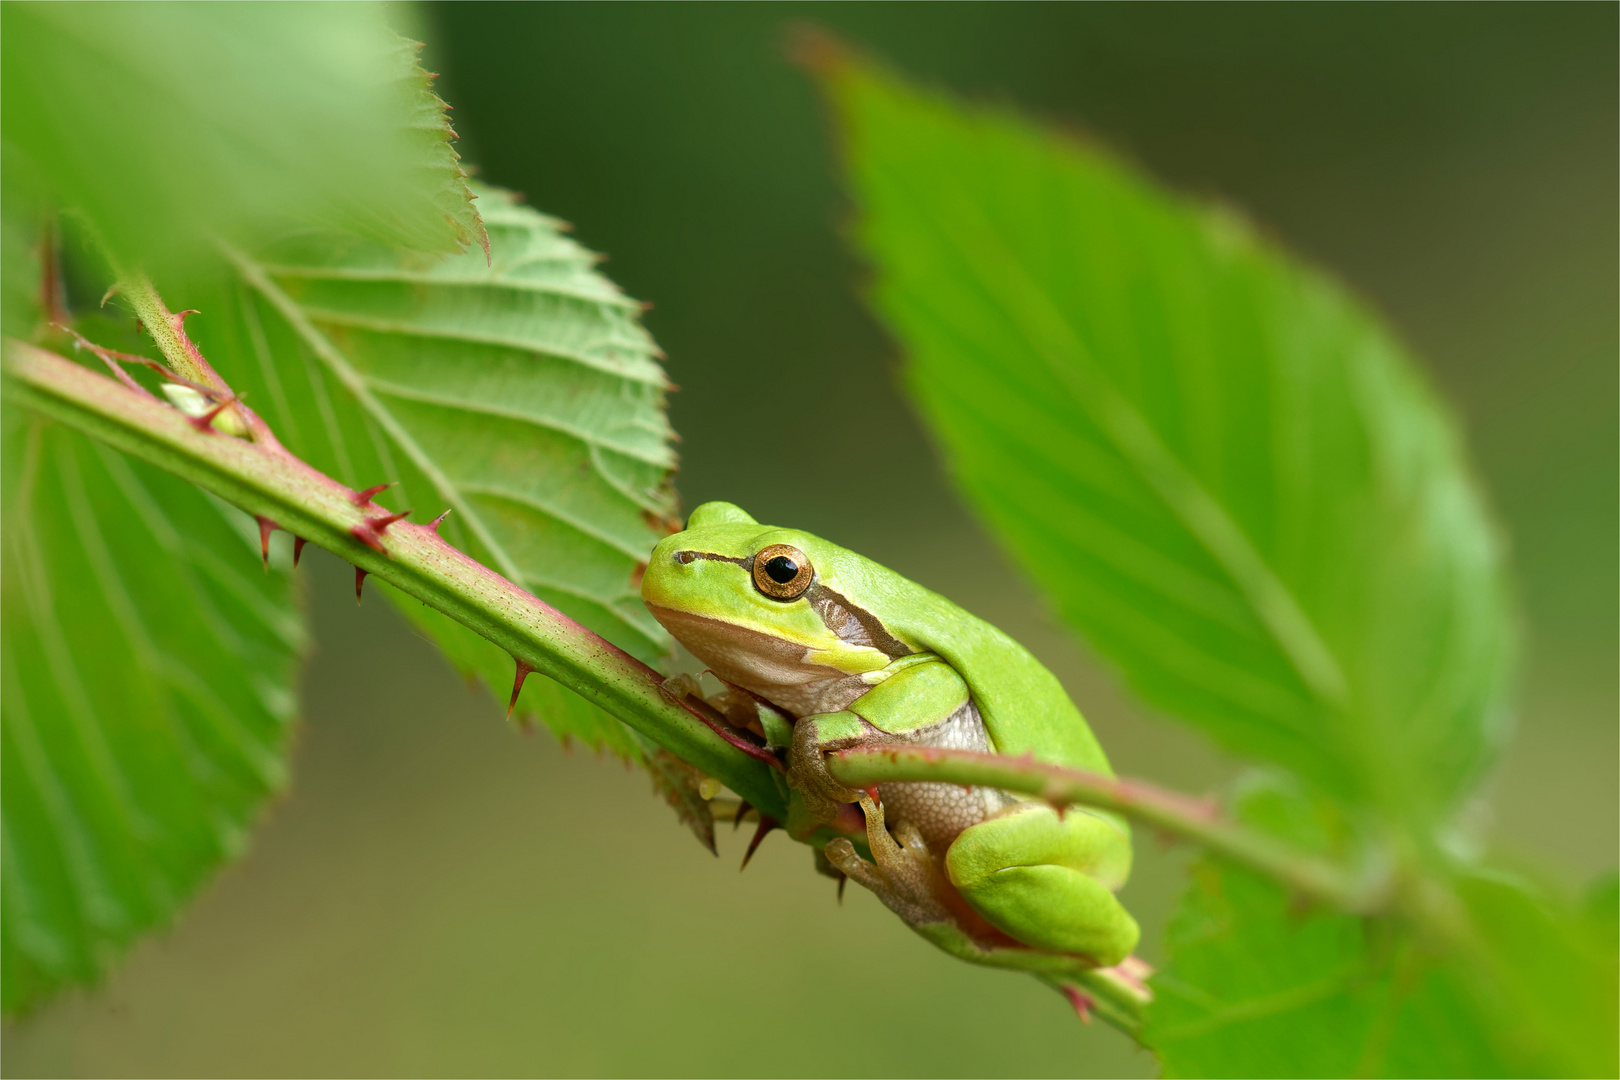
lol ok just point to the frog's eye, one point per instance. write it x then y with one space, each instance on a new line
782 572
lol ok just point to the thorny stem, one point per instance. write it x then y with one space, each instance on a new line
167 329
1168 811
264 479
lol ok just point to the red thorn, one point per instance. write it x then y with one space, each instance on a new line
298 549
362 497
842 881
742 808
517 685
369 531
1082 1004
766 824
359 580
266 527
364 533
205 422
434 524
179 318
873 792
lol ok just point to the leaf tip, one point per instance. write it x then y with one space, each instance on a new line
815 48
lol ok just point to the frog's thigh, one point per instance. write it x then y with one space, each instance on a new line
1047 881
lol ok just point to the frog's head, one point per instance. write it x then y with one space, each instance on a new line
765 608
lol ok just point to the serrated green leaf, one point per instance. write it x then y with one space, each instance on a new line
678 783
525 395
436 164
522 395
146 676
169 123
1216 464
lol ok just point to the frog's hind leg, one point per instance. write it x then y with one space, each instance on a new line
1047 880
903 873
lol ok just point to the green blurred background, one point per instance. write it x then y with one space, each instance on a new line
439 895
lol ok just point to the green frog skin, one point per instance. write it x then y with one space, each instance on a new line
856 654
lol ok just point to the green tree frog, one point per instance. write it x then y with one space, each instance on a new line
854 654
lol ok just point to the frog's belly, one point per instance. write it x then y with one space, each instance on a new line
941 811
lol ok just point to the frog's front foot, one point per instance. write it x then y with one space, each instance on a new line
680 686
903 874
813 736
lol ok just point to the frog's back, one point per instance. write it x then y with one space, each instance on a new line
1024 707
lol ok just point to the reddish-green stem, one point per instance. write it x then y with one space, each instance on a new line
1168 811
265 480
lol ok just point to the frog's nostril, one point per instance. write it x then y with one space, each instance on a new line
684 557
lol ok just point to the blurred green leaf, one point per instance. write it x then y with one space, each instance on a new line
524 396
168 123
1258 985
1602 909
1217 465
20 229
1551 971
146 675
1229 476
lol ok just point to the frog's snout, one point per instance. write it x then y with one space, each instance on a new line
668 572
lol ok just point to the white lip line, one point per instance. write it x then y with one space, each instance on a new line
656 609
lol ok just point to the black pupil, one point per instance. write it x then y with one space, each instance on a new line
782 569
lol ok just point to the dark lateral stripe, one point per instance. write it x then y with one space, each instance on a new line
872 629
688 556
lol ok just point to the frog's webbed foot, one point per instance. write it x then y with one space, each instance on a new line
903 874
